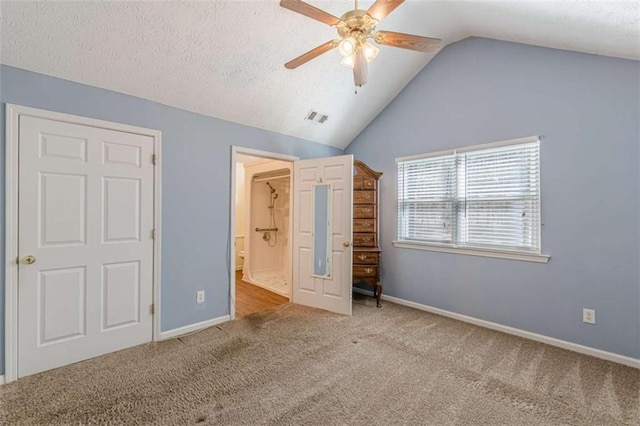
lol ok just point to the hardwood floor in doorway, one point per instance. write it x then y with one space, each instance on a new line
251 298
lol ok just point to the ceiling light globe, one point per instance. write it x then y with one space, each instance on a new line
347 46
348 61
370 51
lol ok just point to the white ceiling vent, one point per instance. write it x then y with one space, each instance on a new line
317 117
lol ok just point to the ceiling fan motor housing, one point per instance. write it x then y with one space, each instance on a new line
358 24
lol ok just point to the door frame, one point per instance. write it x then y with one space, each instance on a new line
13 114
235 150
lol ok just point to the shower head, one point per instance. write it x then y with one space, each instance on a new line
272 188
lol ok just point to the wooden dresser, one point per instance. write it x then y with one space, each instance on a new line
366 249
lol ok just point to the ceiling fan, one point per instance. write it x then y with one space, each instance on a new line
355 28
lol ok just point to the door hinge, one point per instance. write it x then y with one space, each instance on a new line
153 159
152 309
153 234
17 260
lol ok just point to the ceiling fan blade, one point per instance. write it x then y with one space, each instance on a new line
382 8
313 53
310 11
408 41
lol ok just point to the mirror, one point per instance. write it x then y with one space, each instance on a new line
322 232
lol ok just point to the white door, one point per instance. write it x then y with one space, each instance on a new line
85 200
322 229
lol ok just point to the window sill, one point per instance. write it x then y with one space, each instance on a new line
525 257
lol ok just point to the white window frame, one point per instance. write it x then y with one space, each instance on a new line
474 251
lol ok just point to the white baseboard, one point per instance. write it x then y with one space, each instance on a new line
193 327
598 353
1 379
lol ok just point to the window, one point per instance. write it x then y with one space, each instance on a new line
476 200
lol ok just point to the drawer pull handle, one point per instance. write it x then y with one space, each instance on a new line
366 196
368 270
366 240
366 210
362 257
369 183
366 225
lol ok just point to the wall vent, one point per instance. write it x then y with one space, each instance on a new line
317 117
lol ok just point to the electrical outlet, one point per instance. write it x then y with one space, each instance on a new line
589 316
200 296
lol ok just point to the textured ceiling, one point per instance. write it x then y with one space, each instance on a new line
225 58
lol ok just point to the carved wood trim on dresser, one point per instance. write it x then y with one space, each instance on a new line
366 249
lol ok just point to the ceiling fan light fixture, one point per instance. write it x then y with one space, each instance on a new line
348 61
347 46
370 51
355 28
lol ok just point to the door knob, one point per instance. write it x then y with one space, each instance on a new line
29 260
346 244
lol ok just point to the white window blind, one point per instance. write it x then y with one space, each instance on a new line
427 205
482 198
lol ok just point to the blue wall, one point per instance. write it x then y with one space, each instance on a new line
195 179
588 108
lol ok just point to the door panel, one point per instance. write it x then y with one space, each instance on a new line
62 307
121 209
121 291
62 223
63 147
331 293
85 202
116 153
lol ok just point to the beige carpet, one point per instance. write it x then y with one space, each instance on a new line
294 365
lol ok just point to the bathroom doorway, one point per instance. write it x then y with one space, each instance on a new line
262 231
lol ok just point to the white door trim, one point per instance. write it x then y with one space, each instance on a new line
11 220
235 150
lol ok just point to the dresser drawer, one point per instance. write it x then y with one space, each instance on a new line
364 182
365 271
368 183
364 240
364 212
363 257
364 225
364 197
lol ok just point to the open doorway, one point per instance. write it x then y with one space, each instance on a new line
262 254
311 264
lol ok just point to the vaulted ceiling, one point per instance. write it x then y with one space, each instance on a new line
225 58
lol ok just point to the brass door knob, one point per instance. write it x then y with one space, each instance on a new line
346 244
29 260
